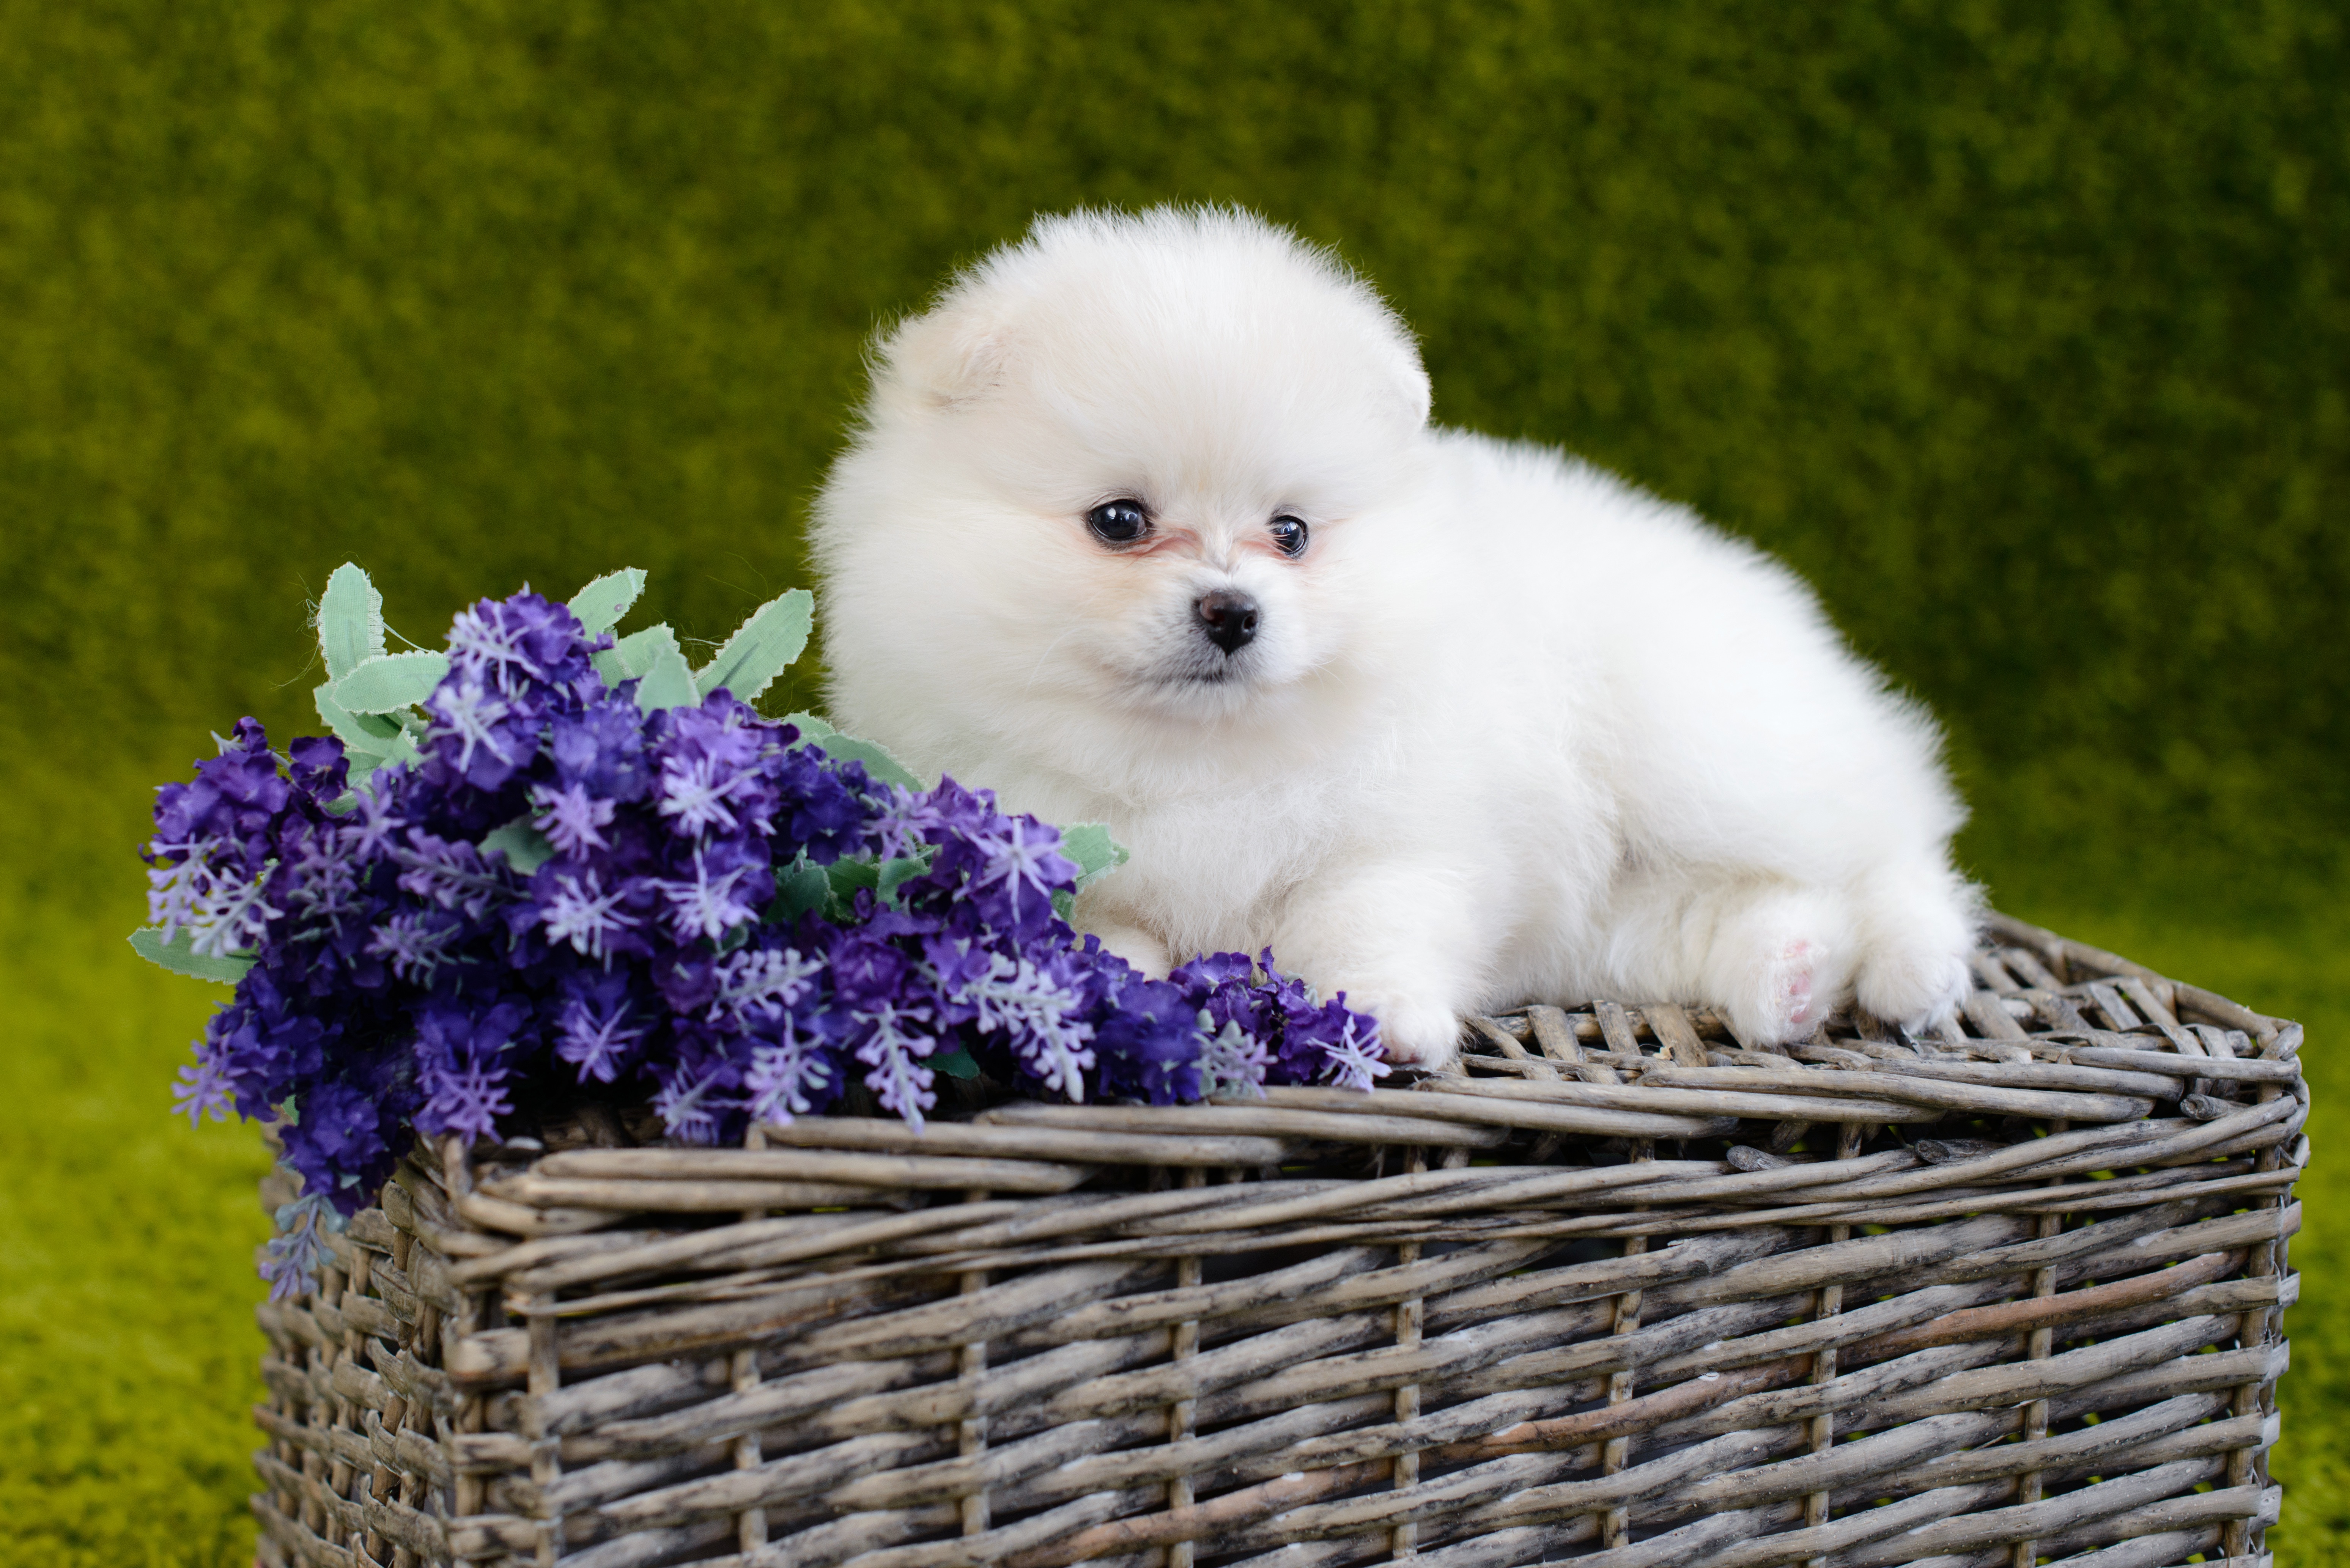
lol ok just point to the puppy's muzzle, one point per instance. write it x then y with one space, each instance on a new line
1229 618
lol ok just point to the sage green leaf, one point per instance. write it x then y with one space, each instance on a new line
400 748
524 847
366 760
762 646
390 681
633 657
350 620
893 872
954 1063
1095 851
883 767
668 684
843 878
600 605
179 955
848 875
360 732
812 729
797 893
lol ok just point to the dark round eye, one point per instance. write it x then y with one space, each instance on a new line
1289 533
1118 522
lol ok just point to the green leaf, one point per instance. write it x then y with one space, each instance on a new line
848 875
843 878
668 684
885 768
954 1063
762 646
1095 851
633 657
812 729
179 955
400 748
350 621
798 892
370 741
360 732
600 605
878 761
390 681
894 872
524 847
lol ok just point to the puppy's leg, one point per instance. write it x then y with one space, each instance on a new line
1778 958
1781 961
1398 937
1916 925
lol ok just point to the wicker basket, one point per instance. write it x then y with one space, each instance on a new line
1621 1293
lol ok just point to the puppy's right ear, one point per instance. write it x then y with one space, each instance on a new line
947 357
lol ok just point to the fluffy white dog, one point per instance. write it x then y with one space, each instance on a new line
1146 524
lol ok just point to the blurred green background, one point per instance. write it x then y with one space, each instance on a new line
2021 329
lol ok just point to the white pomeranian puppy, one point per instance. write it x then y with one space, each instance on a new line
1146 524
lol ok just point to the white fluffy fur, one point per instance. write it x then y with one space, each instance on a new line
1511 730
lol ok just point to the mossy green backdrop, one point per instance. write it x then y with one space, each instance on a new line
2020 329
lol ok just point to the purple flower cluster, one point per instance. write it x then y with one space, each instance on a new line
689 903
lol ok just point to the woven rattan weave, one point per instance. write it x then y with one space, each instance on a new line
1619 1293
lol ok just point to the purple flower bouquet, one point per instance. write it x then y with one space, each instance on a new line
549 863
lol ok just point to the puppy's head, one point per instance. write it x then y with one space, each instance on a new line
1116 468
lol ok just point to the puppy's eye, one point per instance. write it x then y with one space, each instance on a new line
1118 522
1289 534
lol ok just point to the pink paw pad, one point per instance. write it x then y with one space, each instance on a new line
1796 985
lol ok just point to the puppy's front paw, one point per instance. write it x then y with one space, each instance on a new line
1780 972
1915 985
1414 1033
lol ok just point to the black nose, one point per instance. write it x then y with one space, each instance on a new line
1229 618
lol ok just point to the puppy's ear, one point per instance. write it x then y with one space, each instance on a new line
1410 379
948 357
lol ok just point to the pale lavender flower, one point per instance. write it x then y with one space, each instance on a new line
486 636
1354 1057
291 1260
708 906
417 943
894 1044
452 873
903 826
224 912
689 1105
762 983
205 1087
326 887
464 1097
595 1032
1023 857
696 792
368 832
789 1077
572 819
1234 1061
1042 1019
467 712
584 916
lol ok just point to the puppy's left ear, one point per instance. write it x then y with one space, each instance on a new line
948 357
1409 377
